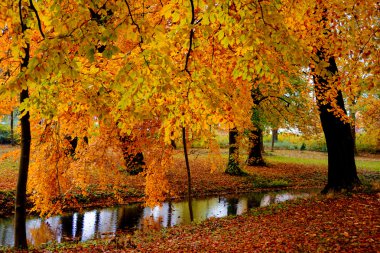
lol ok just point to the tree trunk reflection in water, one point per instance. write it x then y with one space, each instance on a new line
232 206
170 214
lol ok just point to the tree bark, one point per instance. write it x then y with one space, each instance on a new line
353 131
342 172
189 193
255 157
233 167
274 137
256 145
20 206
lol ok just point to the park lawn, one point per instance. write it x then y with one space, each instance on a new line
369 162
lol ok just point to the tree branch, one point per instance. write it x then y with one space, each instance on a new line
191 38
133 21
38 18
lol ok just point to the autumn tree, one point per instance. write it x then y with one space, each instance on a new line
22 25
340 39
158 71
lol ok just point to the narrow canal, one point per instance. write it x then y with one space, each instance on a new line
105 222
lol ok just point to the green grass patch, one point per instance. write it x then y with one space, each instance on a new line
296 160
260 182
320 160
9 164
368 165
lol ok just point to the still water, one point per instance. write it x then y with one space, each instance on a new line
105 222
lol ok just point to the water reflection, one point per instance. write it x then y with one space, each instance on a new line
105 222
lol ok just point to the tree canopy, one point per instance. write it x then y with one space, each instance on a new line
104 69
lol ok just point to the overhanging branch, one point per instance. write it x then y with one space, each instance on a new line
33 8
191 38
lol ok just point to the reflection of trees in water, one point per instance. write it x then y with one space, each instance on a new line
129 217
150 223
170 214
254 200
78 226
67 223
6 233
96 225
105 222
72 227
93 224
42 234
232 206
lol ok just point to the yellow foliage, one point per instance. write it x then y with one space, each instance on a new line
117 69
158 161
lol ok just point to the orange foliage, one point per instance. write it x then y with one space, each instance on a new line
114 69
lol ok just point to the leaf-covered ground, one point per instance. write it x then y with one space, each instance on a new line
342 223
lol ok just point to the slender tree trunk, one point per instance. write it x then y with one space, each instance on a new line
12 130
342 172
255 157
20 207
353 131
274 137
173 144
233 167
275 134
189 193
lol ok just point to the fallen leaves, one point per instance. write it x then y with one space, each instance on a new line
297 228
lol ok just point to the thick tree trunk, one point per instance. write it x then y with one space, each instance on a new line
256 144
255 157
342 172
233 167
